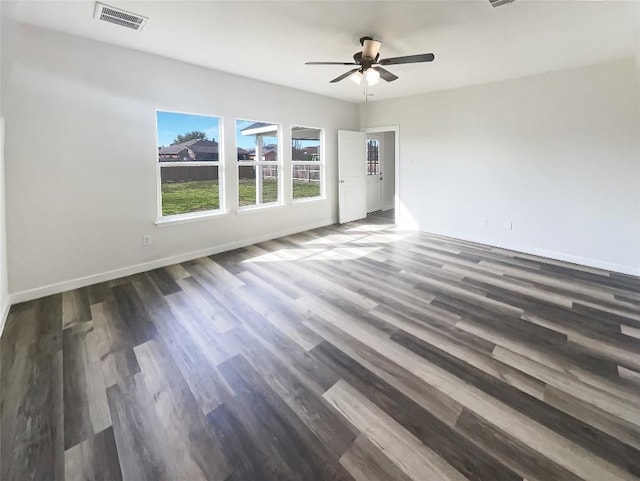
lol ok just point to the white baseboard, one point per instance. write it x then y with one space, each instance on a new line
560 256
155 264
4 313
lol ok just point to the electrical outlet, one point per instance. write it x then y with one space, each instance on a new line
146 240
486 222
508 225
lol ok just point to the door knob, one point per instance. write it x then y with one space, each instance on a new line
342 181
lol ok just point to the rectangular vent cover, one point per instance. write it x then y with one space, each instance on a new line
119 17
497 3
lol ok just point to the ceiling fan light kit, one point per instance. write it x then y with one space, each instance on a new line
372 76
369 64
356 77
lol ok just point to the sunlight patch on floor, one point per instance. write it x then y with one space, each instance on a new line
375 238
337 253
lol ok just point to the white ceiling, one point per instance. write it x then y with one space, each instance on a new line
270 40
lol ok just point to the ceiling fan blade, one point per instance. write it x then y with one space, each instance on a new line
344 75
425 57
370 48
385 74
330 63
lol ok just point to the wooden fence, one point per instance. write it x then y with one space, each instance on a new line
196 173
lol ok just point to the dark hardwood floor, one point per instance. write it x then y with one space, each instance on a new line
355 352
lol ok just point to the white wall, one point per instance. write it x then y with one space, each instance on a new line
4 286
81 159
5 36
555 154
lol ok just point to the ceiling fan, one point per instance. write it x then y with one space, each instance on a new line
369 64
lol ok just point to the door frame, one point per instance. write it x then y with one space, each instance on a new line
396 195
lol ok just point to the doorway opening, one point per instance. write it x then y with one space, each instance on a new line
382 160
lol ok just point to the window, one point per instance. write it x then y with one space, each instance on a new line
307 164
188 163
258 162
373 157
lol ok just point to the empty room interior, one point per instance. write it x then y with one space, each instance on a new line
320 240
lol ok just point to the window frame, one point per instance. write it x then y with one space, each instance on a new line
320 162
199 214
278 163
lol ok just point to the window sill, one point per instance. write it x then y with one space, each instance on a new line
188 218
307 200
258 208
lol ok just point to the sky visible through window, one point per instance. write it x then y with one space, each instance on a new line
172 124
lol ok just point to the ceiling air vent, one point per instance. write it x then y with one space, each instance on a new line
119 17
497 3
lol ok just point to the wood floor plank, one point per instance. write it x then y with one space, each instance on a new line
94 459
412 457
445 441
553 446
599 398
459 351
178 412
164 281
301 397
581 409
315 374
359 352
295 443
84 387
261 297
75 307
249 458
514 453
556 364
190 356
199 296
443 407
365 462
596 441
32 434
142 449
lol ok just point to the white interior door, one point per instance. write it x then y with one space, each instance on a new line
352 175
375 162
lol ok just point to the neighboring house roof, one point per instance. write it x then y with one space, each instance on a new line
197 146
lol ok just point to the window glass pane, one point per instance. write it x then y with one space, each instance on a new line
187 137
306 181
306 147
270 148
305 144
189 189
247 185
257 141
269 183
373 157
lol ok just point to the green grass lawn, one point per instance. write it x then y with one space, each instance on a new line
302 190
194 196
199 195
